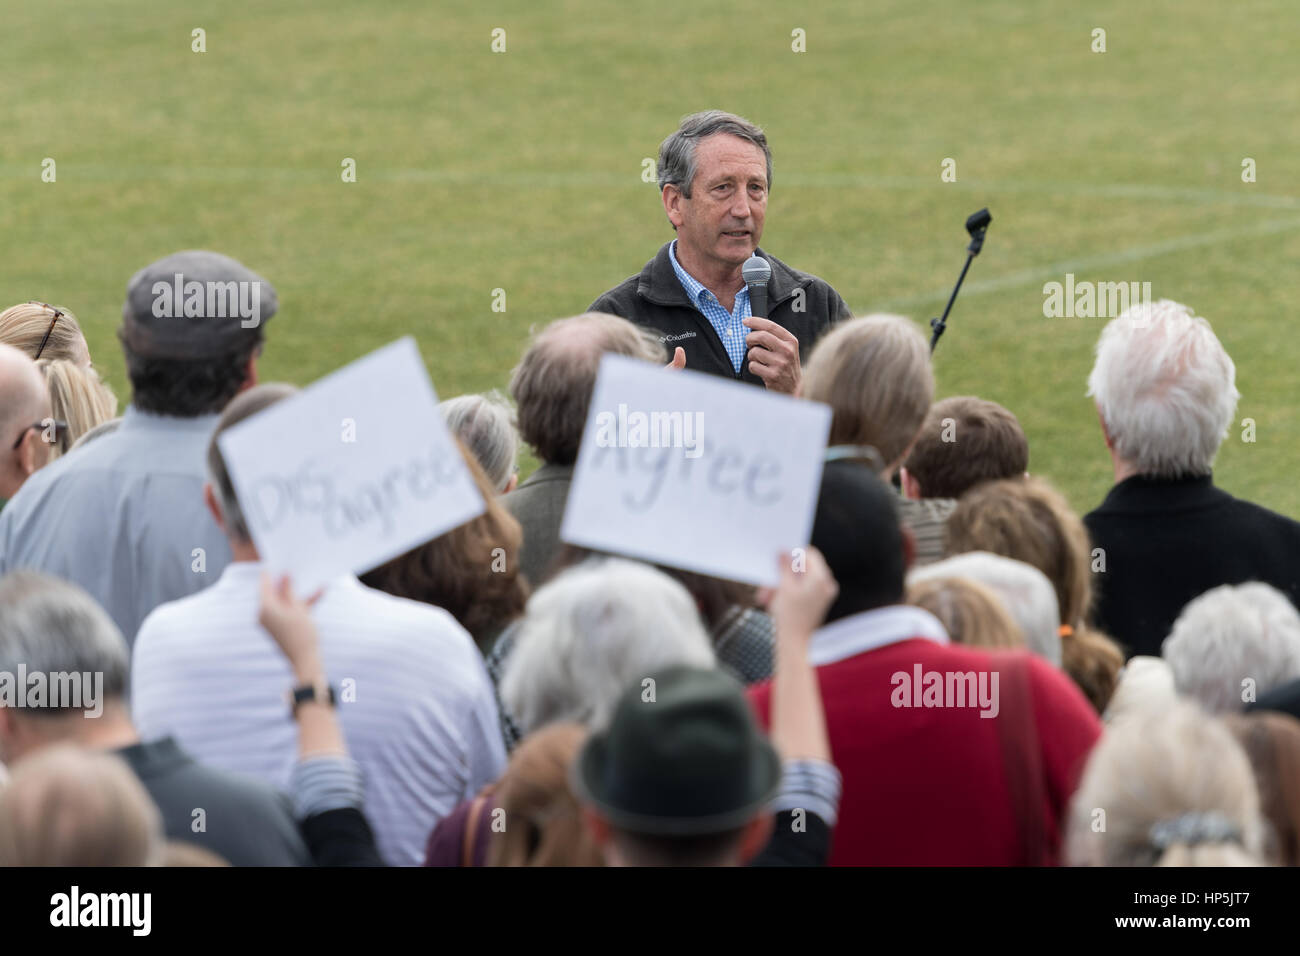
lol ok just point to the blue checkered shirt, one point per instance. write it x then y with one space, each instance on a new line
726 324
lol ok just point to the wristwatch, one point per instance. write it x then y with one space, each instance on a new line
306 693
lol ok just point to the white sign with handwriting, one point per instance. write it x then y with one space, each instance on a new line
356 469
690 470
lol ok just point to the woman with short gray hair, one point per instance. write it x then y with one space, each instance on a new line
485 423
1232 644
590 632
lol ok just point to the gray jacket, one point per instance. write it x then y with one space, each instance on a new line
538 506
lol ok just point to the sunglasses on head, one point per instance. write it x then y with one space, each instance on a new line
58 314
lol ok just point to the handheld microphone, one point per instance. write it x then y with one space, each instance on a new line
756 272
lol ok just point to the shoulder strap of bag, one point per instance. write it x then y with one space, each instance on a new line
1022 760
471 826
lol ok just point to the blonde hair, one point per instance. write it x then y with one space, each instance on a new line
971 613
1166 787
1027 519
78 397
26 325
875 374
65 806
545 820
1143 682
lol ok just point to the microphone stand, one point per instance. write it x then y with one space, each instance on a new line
976 225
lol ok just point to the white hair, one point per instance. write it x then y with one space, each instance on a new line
1144 682
1229 635
1025 592
1166 389
485 423
591 632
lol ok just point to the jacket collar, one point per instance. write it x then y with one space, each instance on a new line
549 471
1143 493
149 760
658 281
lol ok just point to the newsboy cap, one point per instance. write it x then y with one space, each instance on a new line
194 305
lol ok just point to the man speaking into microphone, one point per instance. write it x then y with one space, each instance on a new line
714 175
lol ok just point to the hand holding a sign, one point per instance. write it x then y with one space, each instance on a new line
679 359
288 620
774 355
799 604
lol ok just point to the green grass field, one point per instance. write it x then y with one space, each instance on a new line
522 171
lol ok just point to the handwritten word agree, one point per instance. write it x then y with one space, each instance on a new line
720 473
312 492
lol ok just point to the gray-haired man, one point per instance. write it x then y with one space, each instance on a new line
714 175
56 640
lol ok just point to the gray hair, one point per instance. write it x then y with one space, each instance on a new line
1025 591
51 626
1166 389
485 423
1231 634
592 631
677 152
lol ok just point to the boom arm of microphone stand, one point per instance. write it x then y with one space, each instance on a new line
939 324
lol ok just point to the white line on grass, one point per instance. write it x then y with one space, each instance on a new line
1056 270
609 178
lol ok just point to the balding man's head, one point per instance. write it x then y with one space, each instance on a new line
553 382
24 401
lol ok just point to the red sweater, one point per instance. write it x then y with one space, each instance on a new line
927 786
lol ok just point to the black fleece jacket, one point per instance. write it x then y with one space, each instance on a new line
802 303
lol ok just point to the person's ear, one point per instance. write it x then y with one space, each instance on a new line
911 487
33 453
1105 432
512 484
673 199
909 548
14 741
214 507
250 371
758 832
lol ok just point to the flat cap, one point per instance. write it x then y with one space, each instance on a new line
195 304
